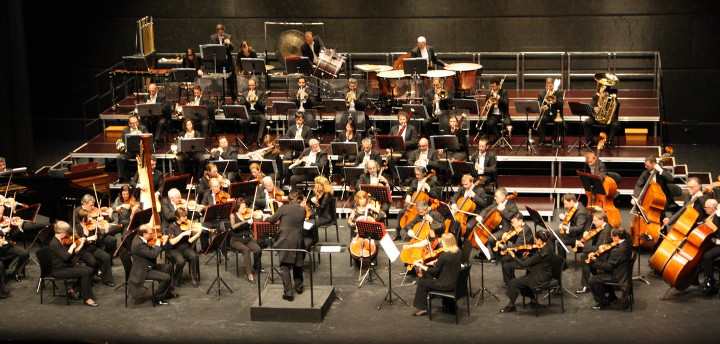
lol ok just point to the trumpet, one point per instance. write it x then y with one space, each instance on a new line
350 98
252 98
302 96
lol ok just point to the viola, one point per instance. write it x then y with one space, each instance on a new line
566 221
507 237
69 240
589 236
522 248
603 249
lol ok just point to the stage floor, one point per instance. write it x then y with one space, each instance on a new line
684 317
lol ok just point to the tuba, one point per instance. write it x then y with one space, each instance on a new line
606 105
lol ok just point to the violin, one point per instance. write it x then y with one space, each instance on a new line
277 194
194 226
152 241
603 249
522 248
98 224
134 204
566 220
14 221
222 197
507 237
69 240
589 236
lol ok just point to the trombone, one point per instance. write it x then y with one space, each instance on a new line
549 100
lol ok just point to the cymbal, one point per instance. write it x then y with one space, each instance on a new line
289 44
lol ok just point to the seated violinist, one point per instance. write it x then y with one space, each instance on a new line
169 205
10 252
460 154
267 196
507 209
539 263
441 274
575 221
255 173
373 176
92 252
591 241
614 269
146 267
425 214
520 235
472 194
181 241
709 258
213 196
211 172
225 152
63 250
87 202
242 239
124 206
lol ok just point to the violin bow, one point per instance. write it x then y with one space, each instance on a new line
7 188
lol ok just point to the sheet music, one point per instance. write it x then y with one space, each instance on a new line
330 249
390 249
483 248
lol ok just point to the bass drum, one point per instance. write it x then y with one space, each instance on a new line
329 64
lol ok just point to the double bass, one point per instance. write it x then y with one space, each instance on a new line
679 253
605 202
648 210
418 195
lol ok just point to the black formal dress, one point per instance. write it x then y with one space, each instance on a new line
590 121
145 266
290 236
441 277
551 115
499 112
614 271
488 161
540 265
95 257
256 113
65 266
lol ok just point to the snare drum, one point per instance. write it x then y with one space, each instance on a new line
446 76
329 64
467 74
393 83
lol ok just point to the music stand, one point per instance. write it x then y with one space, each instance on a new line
252 66
358 117
538 220
391 142
462 167
266 166
415 65
243 189
528 107
140 218
467 104
226 166
335 105
218 212
405 173
580 109
191 145
125 242
351 174
28 213
178 182
344 149
236 112
295 145
418 111
281 108
195 112
371 231
132 142
267 231
213 52
310 172
153 109
591 183
215 244
185 75
135 63
299 65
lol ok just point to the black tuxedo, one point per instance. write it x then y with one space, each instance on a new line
432 156
590 121
432 182
306 133
442 276
433 62
361 98
540 265
227 64
489 166
615 271
308 52
374 155
580 222
507 262
503 115
592 245
663 179
429 96
410 134
144 267
309 103
229 153
290 236
508 213
550 115
257 115
167 213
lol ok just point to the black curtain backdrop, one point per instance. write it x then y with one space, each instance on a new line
16 134
68 43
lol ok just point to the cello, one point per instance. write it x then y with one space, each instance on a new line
421 232
490 222
465 206
605 202
681 267
648 209
364 249
419 195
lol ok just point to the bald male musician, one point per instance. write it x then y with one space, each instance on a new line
312 47
427 52
424 156
156 120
